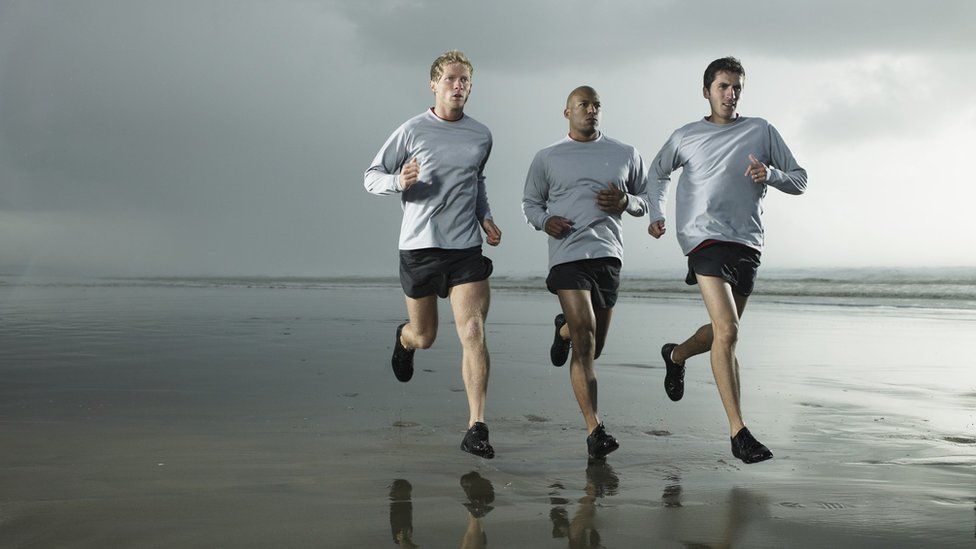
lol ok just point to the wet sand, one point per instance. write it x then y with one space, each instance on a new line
251 417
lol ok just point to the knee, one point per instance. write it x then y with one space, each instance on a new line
472 332
424 339
725 333
584 341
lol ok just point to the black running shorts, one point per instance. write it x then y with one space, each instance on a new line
737 264
600 276
430 271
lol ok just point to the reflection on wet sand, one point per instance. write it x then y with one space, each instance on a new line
401 513
580 532
480 495
698 526
672 492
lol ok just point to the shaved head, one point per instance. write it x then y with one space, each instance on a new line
583 112
584 91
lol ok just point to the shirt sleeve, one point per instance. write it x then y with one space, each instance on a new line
535 197
784 174
482 210
382 177
659 176
637 187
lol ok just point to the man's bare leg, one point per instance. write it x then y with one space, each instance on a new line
417 333
603 317
421 331
581 323
470 305
701 341
720 304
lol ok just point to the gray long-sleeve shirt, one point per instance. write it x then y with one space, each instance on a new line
714 199
444 208
564 179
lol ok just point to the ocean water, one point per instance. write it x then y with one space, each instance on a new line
932 288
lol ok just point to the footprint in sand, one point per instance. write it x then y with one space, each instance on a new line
350 395
658 433
536 419
405 424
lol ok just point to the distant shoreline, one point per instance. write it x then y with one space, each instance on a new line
952 289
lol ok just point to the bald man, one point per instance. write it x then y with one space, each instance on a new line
576 191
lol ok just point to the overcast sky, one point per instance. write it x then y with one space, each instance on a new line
229 138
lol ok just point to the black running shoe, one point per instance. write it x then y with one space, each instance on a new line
600 443
674 379
559 351
475 441
402 358
748 449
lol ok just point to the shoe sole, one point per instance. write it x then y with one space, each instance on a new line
490 454
757 459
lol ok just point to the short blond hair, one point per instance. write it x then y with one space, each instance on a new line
448 58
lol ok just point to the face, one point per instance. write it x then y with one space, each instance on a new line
451 90
583 113
723 96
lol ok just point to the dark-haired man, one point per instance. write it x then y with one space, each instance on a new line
728 161
435 161
575 191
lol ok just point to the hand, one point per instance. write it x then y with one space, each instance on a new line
611 199
757 170
493 235
656 229
558 227
409 174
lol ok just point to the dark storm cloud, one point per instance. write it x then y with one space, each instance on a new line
523 35
230 136
141 105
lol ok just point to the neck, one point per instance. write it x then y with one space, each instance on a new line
446 113
716 119
577 136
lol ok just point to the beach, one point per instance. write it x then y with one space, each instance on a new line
175 414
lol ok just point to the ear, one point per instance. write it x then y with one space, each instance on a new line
566 113
433 86
705 93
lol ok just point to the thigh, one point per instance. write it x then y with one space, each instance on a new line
577 305
719 300
603 317
470 300
422 313
740 302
